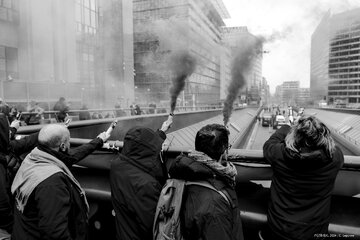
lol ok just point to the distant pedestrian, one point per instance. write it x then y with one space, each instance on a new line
62 108
305 162
50 203
37 114
136 180
205 213
84 115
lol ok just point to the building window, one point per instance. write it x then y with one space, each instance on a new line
8 63
9 10
86 15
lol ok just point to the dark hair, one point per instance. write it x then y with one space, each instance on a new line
213 140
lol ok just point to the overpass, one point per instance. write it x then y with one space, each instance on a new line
254 174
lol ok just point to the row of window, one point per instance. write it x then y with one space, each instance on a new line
344 93
345 41
346 76
349 64
8 63
344 53
352 46
343 87
346 82
344 59
346 70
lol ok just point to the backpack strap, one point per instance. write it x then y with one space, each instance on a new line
206 184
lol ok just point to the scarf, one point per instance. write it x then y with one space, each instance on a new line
36 167
227 171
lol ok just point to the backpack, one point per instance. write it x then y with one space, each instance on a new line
167 216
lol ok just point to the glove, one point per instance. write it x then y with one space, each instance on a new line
167 124
15 124
104 136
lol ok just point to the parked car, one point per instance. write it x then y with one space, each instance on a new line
279 121
266 120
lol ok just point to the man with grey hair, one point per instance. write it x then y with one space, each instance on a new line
49 201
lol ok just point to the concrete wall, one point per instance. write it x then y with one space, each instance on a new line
91 128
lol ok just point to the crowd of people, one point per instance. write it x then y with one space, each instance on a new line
34 113
41 199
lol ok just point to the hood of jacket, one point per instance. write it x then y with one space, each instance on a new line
142 148
314 157
4 134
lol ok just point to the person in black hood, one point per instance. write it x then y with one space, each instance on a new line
305 162
205 213
136 179
10 150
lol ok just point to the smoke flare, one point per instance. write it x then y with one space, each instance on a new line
241 65
182 65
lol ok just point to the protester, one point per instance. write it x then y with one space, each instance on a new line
152 108
205 213
305 162
4 107
9 162
50 203
84 115
136 180
62 109
37 116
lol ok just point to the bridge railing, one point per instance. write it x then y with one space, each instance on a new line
235 155
117 112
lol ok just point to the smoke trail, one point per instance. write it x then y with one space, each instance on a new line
182 65
241 65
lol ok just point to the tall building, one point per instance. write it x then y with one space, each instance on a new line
337 77
264 92
233 38
290 90
162 27
303 97
54 48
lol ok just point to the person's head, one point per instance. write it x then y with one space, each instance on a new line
310 133
61 99
56 137
213 140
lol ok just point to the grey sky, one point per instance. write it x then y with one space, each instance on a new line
290 24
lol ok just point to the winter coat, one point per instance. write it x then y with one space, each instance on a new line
205 214
55 208
136 179
301 188
8 146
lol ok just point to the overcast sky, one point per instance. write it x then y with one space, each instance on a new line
292 22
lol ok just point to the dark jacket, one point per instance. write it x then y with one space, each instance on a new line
55 209
7 147
63 109
205 214
136 179
301 188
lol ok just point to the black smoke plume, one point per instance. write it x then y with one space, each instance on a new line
241 65
182 65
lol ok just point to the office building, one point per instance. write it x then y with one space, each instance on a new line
234 38
62 48
335 60
163 27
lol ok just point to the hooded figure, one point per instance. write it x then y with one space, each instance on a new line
205 214
10 147
305 162
136 178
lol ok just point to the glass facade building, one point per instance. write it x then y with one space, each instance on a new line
336 72
162 27
64 48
